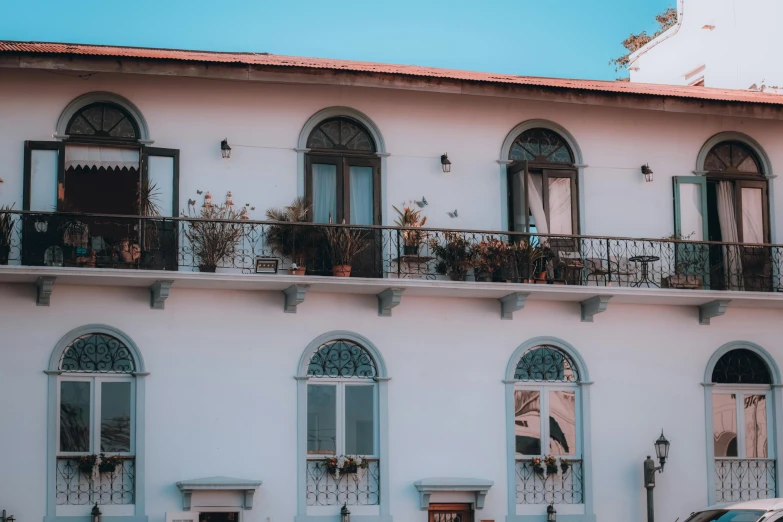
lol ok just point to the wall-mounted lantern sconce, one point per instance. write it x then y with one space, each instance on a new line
445 163
95 514
551 514
8 518
345 515
225 150
648 173
662 452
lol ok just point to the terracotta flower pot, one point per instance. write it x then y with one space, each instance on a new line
341 271
298 271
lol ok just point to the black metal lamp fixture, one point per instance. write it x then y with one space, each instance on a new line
95 514
445 163
662 452
345 515
551 514
225 150
648 173
7 518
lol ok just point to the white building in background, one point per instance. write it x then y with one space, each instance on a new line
168 369
728 44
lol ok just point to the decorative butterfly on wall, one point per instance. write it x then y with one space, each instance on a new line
191 202
423 203
453 214
199 192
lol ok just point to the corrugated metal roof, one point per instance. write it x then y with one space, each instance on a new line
265 59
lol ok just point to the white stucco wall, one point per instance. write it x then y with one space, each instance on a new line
738 53
262 123
221 398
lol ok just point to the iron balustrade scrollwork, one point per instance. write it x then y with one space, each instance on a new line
341 359
171 243
740 480
97 353
539 486
76 488
362 488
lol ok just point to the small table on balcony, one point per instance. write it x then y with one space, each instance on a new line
645 278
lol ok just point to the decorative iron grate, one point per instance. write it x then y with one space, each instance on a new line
537 486
76 488
353 489
739 480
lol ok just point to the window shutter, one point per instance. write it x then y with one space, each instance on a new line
161 167
517 207
690 220
43 171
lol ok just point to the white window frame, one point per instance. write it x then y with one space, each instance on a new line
740 391
341 384
544 388
95 380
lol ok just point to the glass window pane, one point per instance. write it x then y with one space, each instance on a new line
359 420
74 416
115 416
527 420
752 215
691 212
755 426
361 195
724 424
324 193
562 423
321 419
560 206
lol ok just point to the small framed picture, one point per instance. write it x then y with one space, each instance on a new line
266 265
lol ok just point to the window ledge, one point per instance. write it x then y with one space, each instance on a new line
427 487
247 487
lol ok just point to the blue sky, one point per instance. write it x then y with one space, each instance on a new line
560 38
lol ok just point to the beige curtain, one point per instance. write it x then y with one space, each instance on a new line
535 200
732 264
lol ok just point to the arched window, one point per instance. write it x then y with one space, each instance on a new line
343 173
542 184
103 120
742 426
96 385
728 203
549 450
343 385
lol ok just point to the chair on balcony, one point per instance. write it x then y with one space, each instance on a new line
612 270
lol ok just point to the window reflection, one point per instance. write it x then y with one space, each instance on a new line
527 420
724 424
562 423
321 419
755 426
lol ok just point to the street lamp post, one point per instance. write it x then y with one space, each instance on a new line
662 452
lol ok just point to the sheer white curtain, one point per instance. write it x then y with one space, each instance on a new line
361 195
727 217
324 193
560 221
535 200
752 215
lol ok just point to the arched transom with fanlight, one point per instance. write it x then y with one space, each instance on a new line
541 146
732 157
341 133
103 120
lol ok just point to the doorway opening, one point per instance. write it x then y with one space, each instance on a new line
450 513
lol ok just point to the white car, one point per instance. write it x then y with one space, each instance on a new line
766 510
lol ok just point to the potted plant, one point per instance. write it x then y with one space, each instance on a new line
523 262
157 235
86 463
344 244
490 258
342 464
455 255
291 241
109 464
6 232
410 218
214 233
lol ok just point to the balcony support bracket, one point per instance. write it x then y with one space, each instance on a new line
294 296
592 306
512 303
159 292
712 309
44 286
388 299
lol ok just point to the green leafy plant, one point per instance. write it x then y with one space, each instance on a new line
294 242
109 464
408 217
86 463
455 255
344 244
491 255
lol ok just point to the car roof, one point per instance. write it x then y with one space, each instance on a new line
766 504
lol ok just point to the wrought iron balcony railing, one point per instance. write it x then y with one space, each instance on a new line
362 488
561 484
76 488
185 244
740 480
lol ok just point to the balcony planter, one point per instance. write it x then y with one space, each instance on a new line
341 270
109 464
214 232
456 255
207 268
410 250
292 242
5 253
297 270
